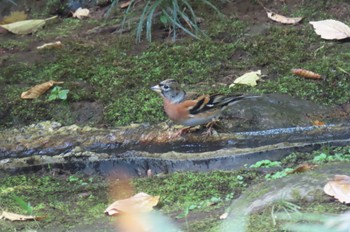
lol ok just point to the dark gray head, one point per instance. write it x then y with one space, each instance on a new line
171 90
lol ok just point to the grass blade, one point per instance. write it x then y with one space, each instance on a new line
140 24
113 4
14 3
180 26
190 9
127 11
150 19
213 7
24 205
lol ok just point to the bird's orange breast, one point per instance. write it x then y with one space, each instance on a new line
179 111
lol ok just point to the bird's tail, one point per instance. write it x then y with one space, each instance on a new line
231 100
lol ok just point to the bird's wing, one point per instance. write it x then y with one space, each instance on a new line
208 102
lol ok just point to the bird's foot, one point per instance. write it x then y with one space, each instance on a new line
210 128
180 132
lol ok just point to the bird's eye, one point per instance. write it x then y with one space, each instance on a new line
165 87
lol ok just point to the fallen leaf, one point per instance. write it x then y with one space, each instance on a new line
81 13
318 123
19 217
249 78
125 4
26 26
15 16
305 73
38 90
339 188
283 19
56 44
141 202
223 216
302 168
331 29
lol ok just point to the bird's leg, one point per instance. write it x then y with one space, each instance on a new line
210 129
180 132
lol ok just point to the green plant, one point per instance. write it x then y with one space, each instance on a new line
241 181
57 93
79 181
266 164
24 205
278 175
323 157
202 204
175 13
284 206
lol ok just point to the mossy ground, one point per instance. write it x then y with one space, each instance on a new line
193 200
117 73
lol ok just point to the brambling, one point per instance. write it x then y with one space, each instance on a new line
203 110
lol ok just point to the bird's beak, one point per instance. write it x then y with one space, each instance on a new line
156 88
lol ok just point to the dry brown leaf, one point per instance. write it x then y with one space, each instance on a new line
331 29
141 202
19 217
339 188
302 168
38 90
318 123
305 73
283 19
15 16
223 216
56 44
81 13
125 4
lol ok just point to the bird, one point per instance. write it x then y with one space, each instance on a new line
205 109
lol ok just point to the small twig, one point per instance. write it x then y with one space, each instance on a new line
318 49
186 20
343 70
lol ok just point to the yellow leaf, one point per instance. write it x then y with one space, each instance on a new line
141 202
331 29
15 16
26 26
249 78
339 188
81 13
18 217
283 19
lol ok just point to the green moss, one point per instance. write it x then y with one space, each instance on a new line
190 188
11 44
263 221
324 155
118 73
210 224
60 200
